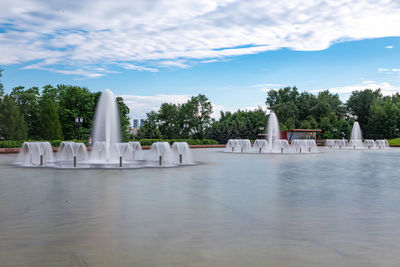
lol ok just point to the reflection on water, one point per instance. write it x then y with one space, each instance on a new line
330 209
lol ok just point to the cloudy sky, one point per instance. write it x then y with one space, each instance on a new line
231 50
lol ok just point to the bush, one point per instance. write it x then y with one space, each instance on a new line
17 144
11 144
149 142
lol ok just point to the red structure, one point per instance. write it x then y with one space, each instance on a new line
294 134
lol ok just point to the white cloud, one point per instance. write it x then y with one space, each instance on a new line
345 91
166 33
389 46
129 66
140 105
389 71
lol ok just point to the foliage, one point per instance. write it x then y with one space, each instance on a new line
148 142
187 120
240 124
12 122
124 118
49 123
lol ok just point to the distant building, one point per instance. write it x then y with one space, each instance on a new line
136 123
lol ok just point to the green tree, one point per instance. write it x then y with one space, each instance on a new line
12 122
376 121
168 120
28 103
150 129
75 101
124 118
49 123
359 105
1 84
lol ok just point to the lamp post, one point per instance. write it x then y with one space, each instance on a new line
79 121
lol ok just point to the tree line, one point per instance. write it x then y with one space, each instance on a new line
50 114
378 115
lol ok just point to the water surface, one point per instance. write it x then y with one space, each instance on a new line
330 209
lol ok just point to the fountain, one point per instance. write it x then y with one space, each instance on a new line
120 151
136 150
106 124
36 153
71 151
238 145
273 144
369 143
356 141
356 137
162 151
182 151
381 144
260 145
303 146
107 150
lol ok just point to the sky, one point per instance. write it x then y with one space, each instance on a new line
233 51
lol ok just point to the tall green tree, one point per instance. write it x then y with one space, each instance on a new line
359 104
12 122
28 103
1 84
75 101
49 123
124 118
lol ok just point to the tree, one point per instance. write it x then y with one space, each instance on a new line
359 104
376 121
49 123
1 85
150 129
28 103
12 122
168 120
124 118
75 101
197 114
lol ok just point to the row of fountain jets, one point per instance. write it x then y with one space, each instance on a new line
108 151
274 144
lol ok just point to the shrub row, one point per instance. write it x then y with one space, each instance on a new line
16 144
149 142
143 142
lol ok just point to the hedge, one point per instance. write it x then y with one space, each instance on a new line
16 144
143 142
149 142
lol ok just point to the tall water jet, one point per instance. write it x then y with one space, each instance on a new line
106 128
273 131
356 137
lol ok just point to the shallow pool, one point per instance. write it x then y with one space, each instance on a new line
335 208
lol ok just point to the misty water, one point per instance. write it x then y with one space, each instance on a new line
335 208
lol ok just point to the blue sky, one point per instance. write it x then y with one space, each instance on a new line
233 51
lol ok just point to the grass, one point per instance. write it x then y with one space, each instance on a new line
395 141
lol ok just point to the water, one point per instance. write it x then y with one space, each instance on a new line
273 131
356 132
356 141
336 208
107 127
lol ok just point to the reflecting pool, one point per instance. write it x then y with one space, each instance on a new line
334 208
